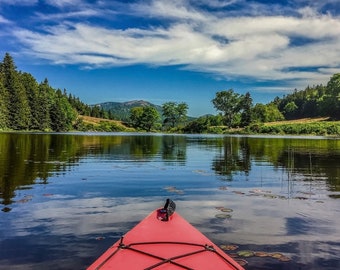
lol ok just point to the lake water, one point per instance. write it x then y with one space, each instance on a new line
65 198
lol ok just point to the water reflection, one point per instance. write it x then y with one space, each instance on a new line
26 159
66 197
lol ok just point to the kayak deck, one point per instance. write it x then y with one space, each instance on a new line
162 245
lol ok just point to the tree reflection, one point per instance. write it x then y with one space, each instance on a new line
27 159
234 157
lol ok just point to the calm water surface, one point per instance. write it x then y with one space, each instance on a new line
65 198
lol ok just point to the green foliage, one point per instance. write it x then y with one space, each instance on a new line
3 107
246 105
80 106
174 113
121 110
319 128
290 110
313 101
229 103
205 124
62 113
27 105
18 107
266 113
32 90
144 118
333 96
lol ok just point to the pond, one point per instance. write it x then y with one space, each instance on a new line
272 202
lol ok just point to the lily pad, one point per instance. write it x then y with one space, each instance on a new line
300 198
172 189
226 210
261 254
241 262
270 196
238 192
229 247
223 216
284 259
245 253
276 255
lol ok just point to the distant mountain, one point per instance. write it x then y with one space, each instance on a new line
121 110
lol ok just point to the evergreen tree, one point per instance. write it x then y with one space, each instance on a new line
3 107
18 110
44 105
32 90
333 95
62 114
246 105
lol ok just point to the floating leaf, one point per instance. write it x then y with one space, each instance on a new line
284 259
202 172
238 192
270 196
229 247
300 198
261 254
307 193
276 255
227 210
233 255
259 191
25 199
223 216
173 190
245 253
241 262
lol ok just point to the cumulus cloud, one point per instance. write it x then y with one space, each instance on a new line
262 47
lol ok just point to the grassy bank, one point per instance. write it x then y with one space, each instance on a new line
308 126
88 123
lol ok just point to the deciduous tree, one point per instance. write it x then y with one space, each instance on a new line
174 113
229 103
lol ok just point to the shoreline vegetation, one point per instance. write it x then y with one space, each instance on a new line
29 106
320 126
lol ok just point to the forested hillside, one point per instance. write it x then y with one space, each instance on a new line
314 101
121 110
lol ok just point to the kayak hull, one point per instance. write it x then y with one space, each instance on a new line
162 245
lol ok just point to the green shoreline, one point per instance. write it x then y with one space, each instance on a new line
323 128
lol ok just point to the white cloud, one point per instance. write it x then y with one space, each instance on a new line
262 47
62 3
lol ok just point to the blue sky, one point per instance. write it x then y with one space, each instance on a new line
178 50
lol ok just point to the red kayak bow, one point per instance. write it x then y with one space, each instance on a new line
164 240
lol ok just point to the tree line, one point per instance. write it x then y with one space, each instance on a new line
26 104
